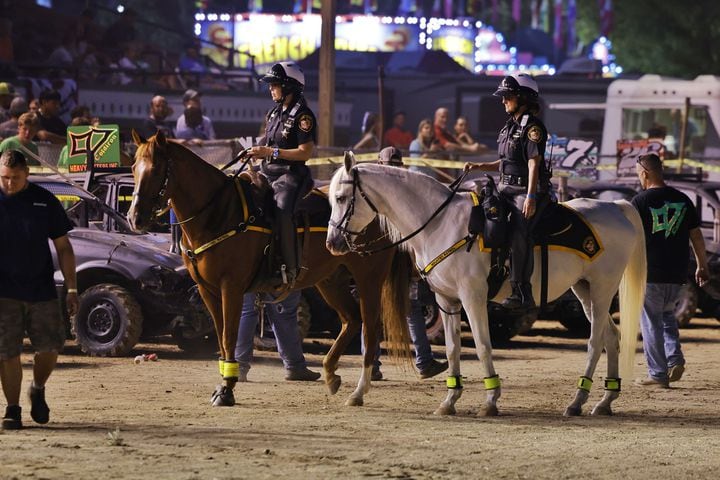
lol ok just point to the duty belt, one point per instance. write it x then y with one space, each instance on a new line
513 180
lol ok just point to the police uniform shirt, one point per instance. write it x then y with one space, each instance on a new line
519 141
27 220
291 127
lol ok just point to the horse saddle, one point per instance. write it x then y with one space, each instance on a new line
563 228
312 215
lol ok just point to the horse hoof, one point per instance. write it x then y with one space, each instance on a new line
572 412
334 384
222 397
488 411
354 402
445 410
602 410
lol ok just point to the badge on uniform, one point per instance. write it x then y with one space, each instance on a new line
534 133
306 123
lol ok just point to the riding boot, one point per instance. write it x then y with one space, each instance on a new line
521 297
288 246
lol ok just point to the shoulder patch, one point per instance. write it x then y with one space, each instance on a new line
305 122
534 134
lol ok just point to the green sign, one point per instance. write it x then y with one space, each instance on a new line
102 141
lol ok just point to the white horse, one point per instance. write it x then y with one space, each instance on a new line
405 200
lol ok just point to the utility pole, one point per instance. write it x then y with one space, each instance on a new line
326 87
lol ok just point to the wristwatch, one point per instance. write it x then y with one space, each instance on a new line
276 153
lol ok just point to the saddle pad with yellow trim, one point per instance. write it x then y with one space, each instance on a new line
315 207
563 228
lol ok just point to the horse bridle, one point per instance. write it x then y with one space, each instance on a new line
161 203
341 226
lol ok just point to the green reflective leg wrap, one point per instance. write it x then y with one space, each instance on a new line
231 370
454 382
612 384
491 383
221 367
585 383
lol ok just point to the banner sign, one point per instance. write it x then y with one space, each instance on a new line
628 152
276 38
102 142
577 156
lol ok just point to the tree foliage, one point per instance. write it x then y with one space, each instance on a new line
668 37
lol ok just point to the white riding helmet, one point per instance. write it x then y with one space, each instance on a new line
288 74
520 84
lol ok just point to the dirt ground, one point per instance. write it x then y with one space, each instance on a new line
111 418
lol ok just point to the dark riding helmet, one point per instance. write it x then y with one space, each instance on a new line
520 84
287 74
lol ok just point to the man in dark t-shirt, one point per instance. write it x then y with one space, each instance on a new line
29 216
670 222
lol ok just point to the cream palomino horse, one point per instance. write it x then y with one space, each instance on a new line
405 200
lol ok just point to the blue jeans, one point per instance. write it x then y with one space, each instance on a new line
661 336
283 318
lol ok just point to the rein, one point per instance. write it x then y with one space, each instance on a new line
341 226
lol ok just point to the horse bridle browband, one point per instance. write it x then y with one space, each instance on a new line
341 226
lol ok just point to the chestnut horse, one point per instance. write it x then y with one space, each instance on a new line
224 264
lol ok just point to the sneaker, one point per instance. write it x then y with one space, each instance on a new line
433 369
12 419
675 373
376 375
303 374
651 382
40 412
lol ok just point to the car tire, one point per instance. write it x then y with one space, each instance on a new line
109 321
687 305
570 314
504 324
267 342
433 324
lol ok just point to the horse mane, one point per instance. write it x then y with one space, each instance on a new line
421 182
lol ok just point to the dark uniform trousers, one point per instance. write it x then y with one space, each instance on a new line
521 254
287 181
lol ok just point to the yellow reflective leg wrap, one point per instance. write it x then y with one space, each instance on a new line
454 382
585 383
492 383
231 370
221 367
612 384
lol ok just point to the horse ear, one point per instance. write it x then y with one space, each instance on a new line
160 138
137 138
349 160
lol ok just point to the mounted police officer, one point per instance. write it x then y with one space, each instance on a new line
524 177
290 136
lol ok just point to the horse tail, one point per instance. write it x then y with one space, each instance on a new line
395 308
632 293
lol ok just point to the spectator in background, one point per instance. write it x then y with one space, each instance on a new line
200 126
65 54
191 61
424 145
447 140
52 128
464 138
159 111
397 136
18 106
28 126
129 64
371 133
34 106
7 93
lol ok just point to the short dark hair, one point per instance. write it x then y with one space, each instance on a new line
13 159
650 162
49 95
